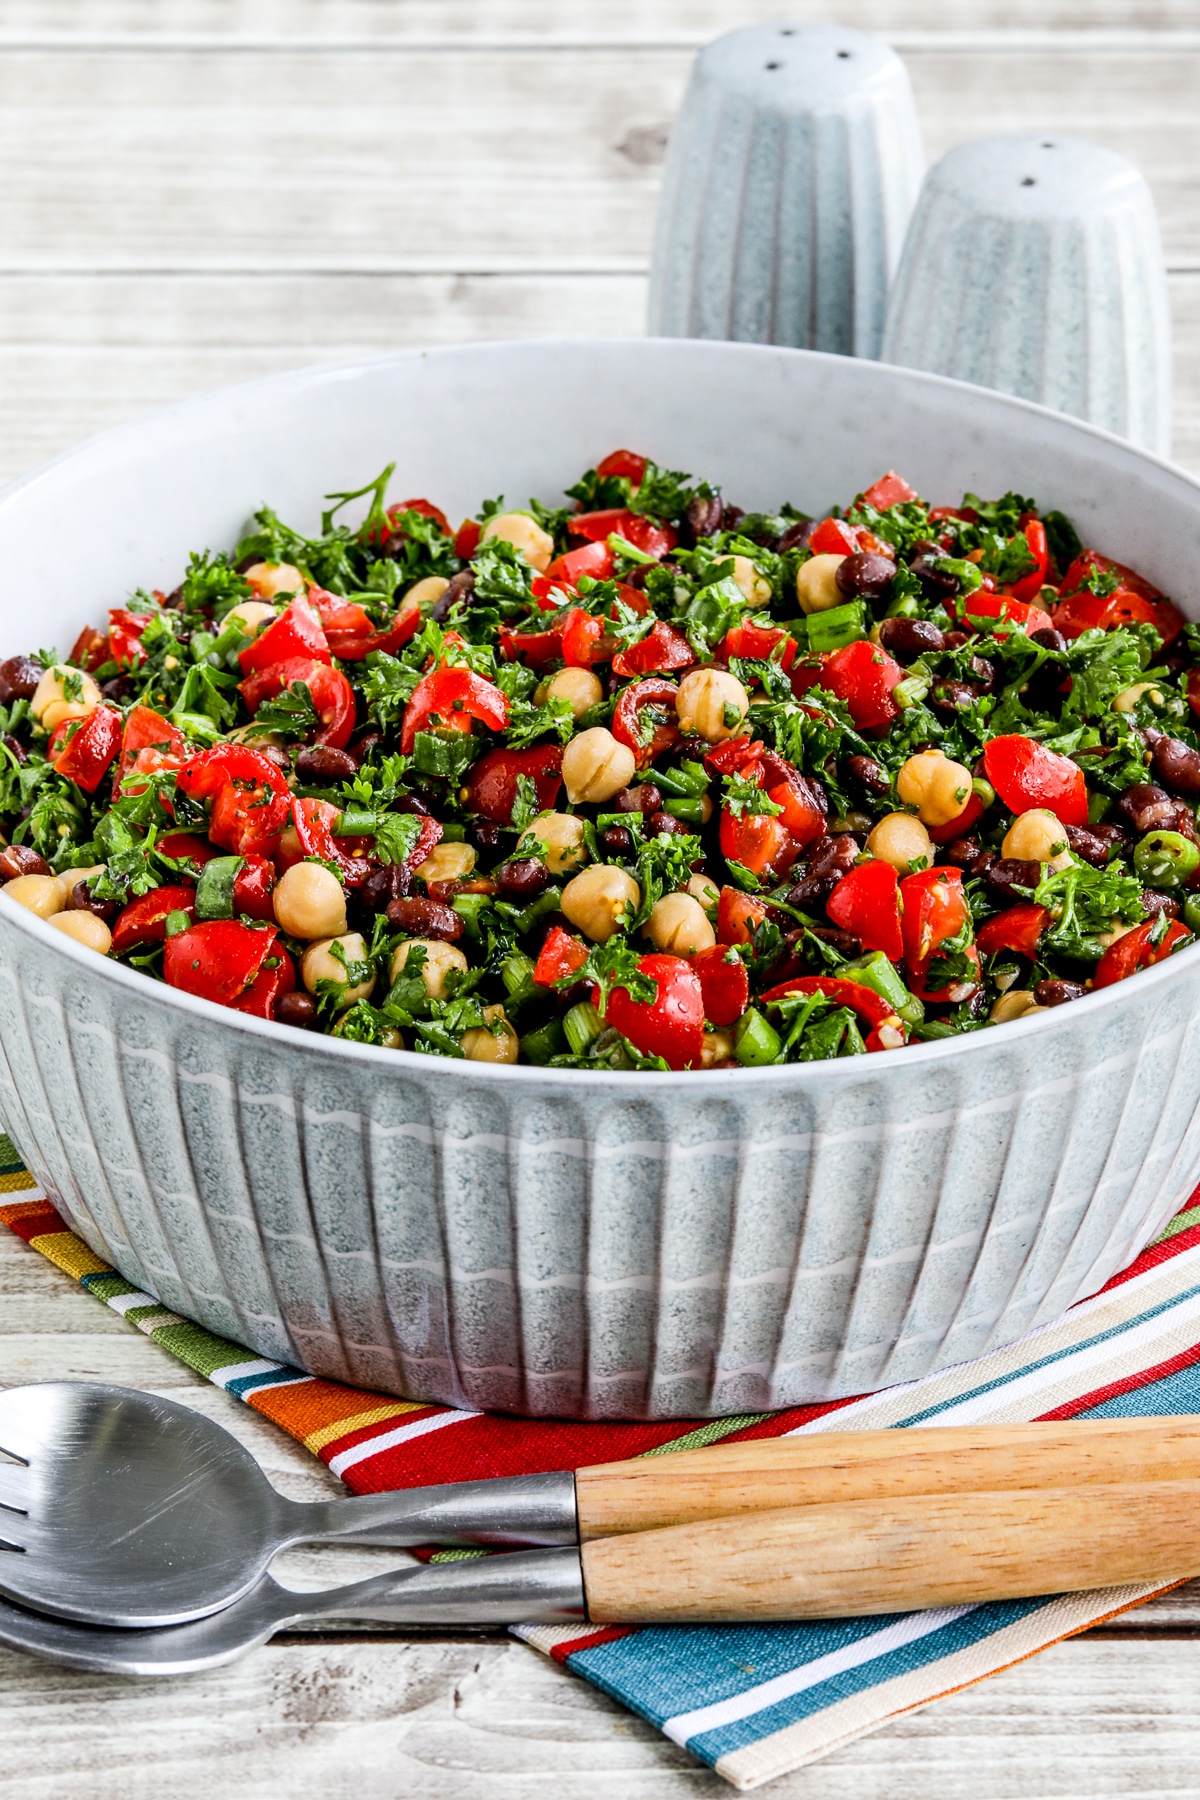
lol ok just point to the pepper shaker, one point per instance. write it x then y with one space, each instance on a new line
1034 265
791 175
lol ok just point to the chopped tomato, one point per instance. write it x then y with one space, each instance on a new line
492 781
833 537
217 959
802 812
452 699
267 986
427 510
314 821
623 463
890 490
1030 585
961 823
560 956
1027 775
888 1031
672 1024
249 793
90 649
739 755
738 916
1016 928
761 842
1136 950
533 648
644 718
144 920
1091 612
296 632
185 846
252 888
338 615
466 539
565 571
580 635
653 540
662 648
757 643
866 901
125 636
724 983
331 694
1087 560
1002 608
147 730
354 646
863 676
935 911
92 749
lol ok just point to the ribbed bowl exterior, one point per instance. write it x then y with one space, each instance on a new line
1034 265
792 171
604 1248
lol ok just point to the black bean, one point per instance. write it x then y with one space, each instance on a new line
731 516
1094 843
956 639
643 799
392 882
1010 872
1155 902
665 824
939 584
274 754
19 859
952 696
365 747
978 868
704 516
868 773
1147 807
1057 993
461 587
418 917
1177 766
984 673
797 535
829 858
321 762
19 677
689 749
864 573
298 1009
617 841
523 879
80 900
11 743
118 689
844 942
483 834
961 852
1049 639
910 638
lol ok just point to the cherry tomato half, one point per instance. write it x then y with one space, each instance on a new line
672 1024
1026 775
1136 951
866 901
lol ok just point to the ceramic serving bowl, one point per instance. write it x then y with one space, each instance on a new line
549 1242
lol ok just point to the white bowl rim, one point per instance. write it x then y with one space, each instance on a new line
841 1069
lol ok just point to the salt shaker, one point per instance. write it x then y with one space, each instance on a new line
791 175
1034 265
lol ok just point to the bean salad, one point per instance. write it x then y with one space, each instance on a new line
642 781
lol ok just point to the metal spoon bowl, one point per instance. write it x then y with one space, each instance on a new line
134 1511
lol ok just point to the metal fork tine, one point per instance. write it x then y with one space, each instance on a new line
14 1490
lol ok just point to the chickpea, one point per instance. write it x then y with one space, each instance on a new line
561 838
1037 836
425 593
1018 1003
704 889
310 902
715 1047
713 703
291 850
595 766
320 964
86 929
51 705
440 959
44 895
524 534
269 579
903 841
756 587
481 1045
580 688
816 589
596 900
679 924
1128 697
447 862
937 787
250 616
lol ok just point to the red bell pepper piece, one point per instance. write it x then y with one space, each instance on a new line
268 985
92 749
863 676
492 781
1027 775
662 648
724 983
650 538
147 731
1135 951
90 649
250 796
338 615
649 735
1003 608
761 842
1030 585
296 632
833 537
595 560
802 812
738 916
314 821
1087 560
739 755
535 648
144 920
625 463
866 901
185 846
757 642
453 697
888 1031
217 959
125 636
1016 928
889 490
560 956
672 1024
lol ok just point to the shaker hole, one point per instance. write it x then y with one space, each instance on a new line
788 31
775 65
1048 146
845 54
1028 181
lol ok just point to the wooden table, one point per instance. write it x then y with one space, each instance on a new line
200 191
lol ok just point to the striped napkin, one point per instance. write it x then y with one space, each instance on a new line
753 1702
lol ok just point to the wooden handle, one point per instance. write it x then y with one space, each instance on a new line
868 1556
764 1473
